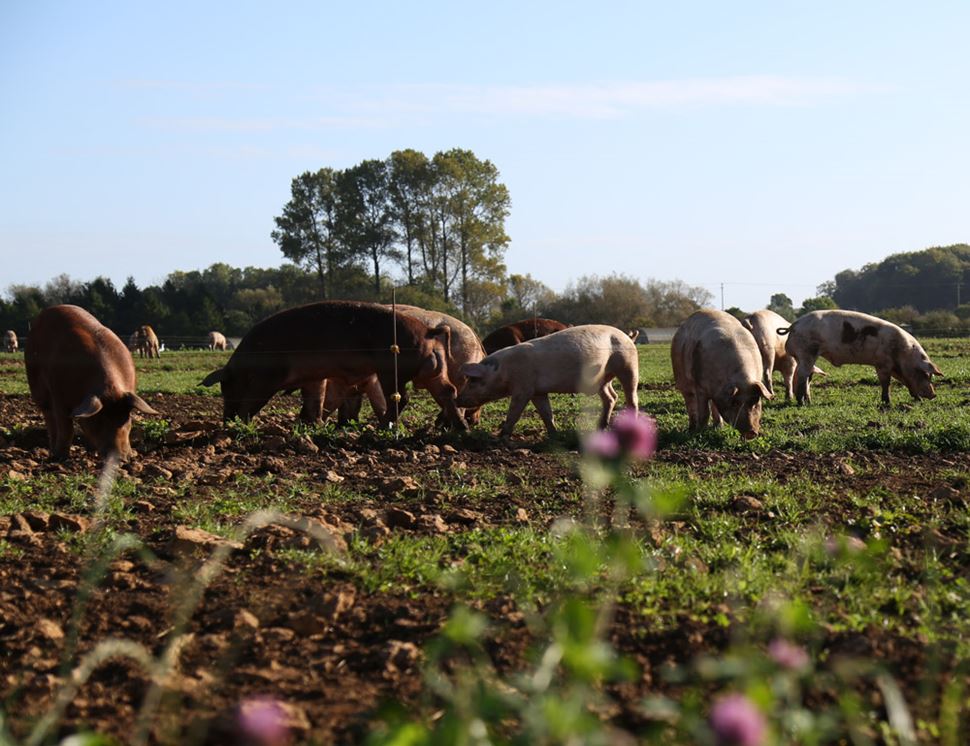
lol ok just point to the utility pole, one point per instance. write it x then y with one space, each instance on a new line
722 296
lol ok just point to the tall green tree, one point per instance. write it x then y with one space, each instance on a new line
409 190
307 232
366 215
475 205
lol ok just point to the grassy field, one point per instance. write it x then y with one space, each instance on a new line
844 526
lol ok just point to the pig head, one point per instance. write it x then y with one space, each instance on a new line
77 368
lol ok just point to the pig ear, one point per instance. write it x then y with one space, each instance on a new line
216 376
763 390
935 369
87 408
473 370
443 331
140 404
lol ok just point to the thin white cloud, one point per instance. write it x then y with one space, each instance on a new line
617 99
382 107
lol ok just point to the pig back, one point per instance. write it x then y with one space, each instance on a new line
521 331
70 354
712 349
331 339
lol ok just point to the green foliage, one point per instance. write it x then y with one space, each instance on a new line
820 303
624 302
927 280
782 305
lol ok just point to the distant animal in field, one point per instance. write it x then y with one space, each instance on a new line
78 368
580 359
850 337
520 331
343 340
10 341
134 341
764 326
147 342
217 341
718 370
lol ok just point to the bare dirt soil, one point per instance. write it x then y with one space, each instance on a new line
332 650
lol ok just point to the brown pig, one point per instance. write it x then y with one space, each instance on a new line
718 369
764 326
78 368
520 331
343 340
217 341
465 347
10 341
857 338
580 359
147 342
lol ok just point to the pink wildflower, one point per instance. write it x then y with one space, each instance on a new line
263 722
602 443
787 654
737 722
636 433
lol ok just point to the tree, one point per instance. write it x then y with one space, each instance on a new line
737 313
935 278
409 191
307 231
480 204
366 216
624 302
820 303
782 305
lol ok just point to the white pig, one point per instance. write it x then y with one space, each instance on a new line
851 337
718 369
581 359
764 326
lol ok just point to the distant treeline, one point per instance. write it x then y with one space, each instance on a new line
924 290
188 305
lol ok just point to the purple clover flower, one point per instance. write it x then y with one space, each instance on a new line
263 722
602 443
736 721
632 436
787 654
636 433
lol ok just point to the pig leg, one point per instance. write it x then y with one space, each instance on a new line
63 433
697 410
885 378
542 405
313 395
787 368
349 409
803 378
629 378
716 418
769 369
444 393
608 397
517 406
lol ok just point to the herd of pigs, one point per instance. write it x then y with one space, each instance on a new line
336 352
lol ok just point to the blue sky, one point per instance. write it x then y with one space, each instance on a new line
763 145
